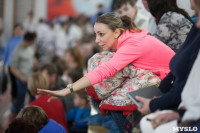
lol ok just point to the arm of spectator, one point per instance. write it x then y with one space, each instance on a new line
169 100
14 64
166 83
124 56
18 74
5 56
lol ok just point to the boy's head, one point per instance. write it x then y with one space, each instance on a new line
80 99
126 7
35 81
34 115
29 37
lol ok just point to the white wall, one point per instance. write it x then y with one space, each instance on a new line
40 8
23 7
8 17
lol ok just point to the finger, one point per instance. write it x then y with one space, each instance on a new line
51 98
141 99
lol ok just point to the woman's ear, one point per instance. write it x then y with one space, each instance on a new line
117 33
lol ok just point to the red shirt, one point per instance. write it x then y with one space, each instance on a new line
53 109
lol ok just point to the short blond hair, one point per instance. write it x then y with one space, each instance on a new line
37 80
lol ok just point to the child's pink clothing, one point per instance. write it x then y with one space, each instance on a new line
142 50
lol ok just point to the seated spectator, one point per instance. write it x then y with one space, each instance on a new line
78 115
38 117
188 112
120 35
21 126
57 83
38 80
75 63
22 67
128 7
173 23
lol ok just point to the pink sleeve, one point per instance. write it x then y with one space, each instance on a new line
123 57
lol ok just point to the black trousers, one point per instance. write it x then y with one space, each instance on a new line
123 124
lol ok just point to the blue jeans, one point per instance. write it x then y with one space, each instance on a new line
123 124
104 121
21 92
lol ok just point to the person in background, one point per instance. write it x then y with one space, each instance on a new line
78 115
22 66
30 23
10 46
75 62
38 117
55 82
128 7
42 39
187 114
38 80
173 23
21 126
62 40
172 85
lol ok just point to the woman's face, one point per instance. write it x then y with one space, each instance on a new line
197 9
105 37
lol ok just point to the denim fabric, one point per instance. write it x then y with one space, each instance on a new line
123 124
21 92
104 121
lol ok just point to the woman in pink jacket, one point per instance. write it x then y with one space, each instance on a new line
132 46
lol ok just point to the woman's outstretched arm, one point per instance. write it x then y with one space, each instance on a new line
78 85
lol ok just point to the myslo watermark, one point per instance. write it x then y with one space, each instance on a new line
188 129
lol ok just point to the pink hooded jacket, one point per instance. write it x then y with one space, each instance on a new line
140 49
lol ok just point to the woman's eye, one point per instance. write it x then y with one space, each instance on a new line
101 34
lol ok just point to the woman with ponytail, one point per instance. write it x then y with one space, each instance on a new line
131 46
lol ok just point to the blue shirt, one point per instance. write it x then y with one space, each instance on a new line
11 44
52 127
78 116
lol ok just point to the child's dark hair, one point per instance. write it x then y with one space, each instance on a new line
21 126
29 36
118 3
82 94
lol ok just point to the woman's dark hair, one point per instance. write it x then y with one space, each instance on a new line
113 21
29 36
21 126
159 7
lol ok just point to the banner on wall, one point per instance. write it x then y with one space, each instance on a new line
58 8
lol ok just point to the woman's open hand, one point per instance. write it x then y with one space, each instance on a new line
58 94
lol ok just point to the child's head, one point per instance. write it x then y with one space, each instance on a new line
35 81
34 115
126 7
80 99
21 126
